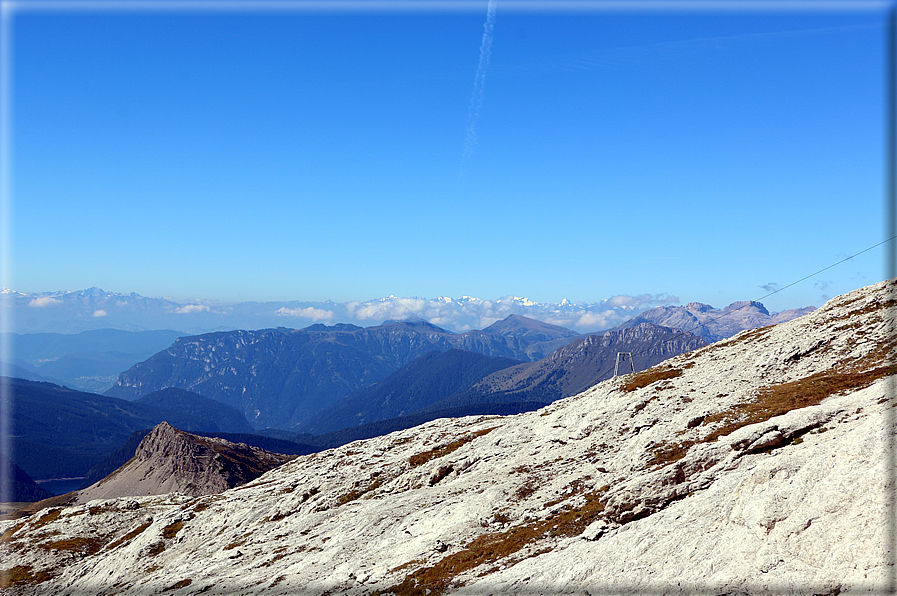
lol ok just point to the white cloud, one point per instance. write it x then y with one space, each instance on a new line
599 320
189 309
398 308
641 301
43 302
100 313
315 314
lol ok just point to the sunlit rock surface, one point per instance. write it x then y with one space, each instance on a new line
756 465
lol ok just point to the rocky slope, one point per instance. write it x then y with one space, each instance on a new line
756 465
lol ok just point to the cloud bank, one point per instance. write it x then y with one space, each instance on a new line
95 309
309 312
466 313
189 309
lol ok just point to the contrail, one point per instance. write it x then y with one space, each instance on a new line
476 100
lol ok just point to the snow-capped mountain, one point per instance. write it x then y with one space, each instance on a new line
756 465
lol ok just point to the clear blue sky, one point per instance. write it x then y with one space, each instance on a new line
291 155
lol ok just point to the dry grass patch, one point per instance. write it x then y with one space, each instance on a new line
83 546
489 548
375 481
178 585
171 530
202 506
23 575
526 489
131 535
239 541
743 337
652 375
773 401
6 537
437 452
48 517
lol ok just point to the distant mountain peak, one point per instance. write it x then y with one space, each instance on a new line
518 324
745 304
418 324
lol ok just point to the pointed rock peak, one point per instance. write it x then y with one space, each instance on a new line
171 460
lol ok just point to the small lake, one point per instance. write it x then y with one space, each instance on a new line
61 486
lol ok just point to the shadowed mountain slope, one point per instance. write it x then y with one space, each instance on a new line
222 418
414 387
21 486
61 432
584 362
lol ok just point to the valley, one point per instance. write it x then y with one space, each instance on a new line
314 388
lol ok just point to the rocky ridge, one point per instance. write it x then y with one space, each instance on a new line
169 460
755 465
714 324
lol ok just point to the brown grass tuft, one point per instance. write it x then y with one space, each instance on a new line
489 548
773 401
652 375
131 535
437 452
171 530
22 575
178 585
83 546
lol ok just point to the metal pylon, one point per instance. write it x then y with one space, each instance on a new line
623 357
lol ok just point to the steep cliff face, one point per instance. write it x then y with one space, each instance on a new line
756 465
169 460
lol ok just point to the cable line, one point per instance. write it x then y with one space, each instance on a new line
683 332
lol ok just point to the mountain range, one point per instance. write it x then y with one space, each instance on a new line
714 324
94 308
324 380
281 377
759 464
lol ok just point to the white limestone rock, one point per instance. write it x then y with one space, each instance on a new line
685 484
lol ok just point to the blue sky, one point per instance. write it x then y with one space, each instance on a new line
299 155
